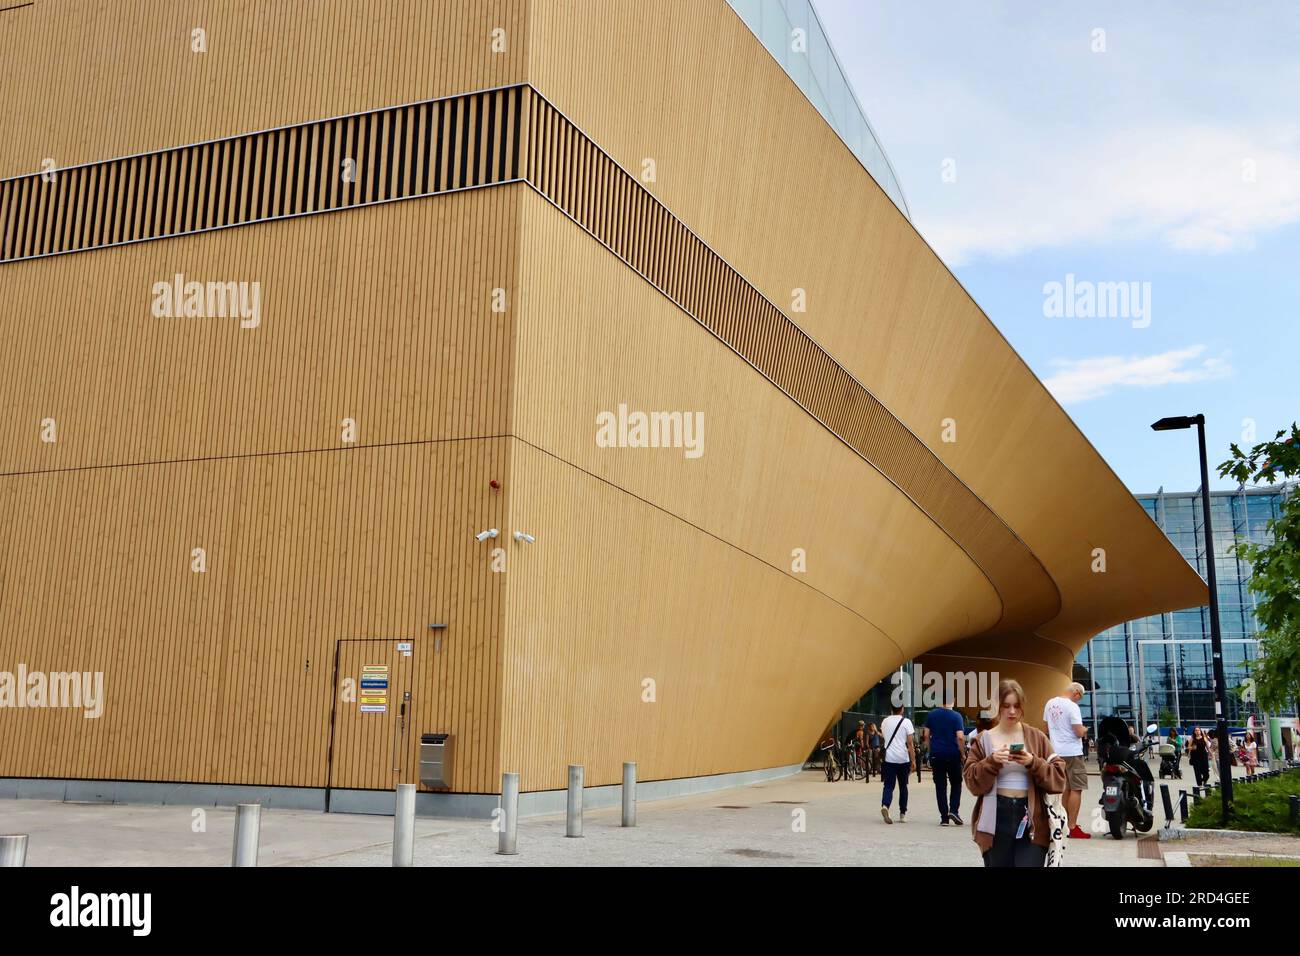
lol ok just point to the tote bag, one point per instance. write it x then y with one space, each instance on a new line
1056 824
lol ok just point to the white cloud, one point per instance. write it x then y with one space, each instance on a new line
1078 380
1182 134
1193 188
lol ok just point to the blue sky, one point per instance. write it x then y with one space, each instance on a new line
1170 157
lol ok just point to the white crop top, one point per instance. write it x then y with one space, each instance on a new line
1012 776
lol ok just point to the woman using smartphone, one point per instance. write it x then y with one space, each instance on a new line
1011 768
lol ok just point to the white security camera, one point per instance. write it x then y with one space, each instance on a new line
489 533
524 536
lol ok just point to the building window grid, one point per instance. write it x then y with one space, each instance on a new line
1177 677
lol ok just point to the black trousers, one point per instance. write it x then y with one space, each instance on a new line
1202 768
947 774
1006 849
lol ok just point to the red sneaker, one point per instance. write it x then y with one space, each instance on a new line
1078 834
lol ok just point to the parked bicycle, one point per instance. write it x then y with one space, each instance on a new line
831 762
855 764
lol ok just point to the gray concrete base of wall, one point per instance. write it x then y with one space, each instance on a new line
477 806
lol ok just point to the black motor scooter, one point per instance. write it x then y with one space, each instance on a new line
1127 790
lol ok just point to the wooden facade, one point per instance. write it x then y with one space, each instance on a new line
436 338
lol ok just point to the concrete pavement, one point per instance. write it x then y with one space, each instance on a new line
796 821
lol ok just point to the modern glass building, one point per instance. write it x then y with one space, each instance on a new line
1158 668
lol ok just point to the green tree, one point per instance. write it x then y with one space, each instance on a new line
1275 570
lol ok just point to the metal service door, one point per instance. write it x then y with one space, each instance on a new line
372 714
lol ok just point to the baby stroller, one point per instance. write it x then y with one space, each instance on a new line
1170 762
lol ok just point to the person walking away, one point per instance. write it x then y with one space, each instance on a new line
1066 729
1198 755
944 733
1011 768
899 761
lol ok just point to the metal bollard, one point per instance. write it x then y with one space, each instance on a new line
573 812
404 826
629 794
1295 812
507 845
248 828
13 846
1168 803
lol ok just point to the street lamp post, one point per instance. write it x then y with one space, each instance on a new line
1216 639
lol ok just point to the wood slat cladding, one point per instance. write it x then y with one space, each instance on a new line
586 184
481 139
227 676
86 80
438 146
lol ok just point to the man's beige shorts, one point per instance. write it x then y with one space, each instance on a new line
1076 773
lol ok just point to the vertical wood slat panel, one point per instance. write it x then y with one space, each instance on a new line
295 523
468 141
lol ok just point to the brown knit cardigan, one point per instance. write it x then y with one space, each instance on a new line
1046 775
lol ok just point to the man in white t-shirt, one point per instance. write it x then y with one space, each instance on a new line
1065 726
899 762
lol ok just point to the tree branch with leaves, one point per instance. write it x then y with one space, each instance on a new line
1275 569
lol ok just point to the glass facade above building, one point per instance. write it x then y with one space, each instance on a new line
791 32
1159 668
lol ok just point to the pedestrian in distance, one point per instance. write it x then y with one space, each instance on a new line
1249 754
877 747
899 761
1066 728
1198 755
944 733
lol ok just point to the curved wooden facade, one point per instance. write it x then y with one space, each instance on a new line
437 335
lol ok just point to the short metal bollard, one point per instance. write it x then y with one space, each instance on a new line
573 808
1168 803
629 794
404 826
1295 810
507 844
1182 806
248 828
13 848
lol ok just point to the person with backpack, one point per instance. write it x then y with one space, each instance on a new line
899 762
